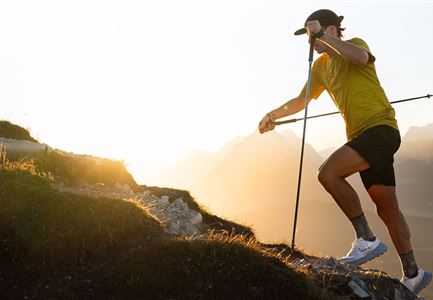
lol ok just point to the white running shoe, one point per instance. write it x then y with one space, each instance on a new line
416 284
363 251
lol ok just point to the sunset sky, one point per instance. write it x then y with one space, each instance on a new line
145 81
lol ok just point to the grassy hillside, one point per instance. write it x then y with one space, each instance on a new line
12 131
61 246
67 167
84 169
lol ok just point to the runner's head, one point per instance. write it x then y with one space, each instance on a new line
329 20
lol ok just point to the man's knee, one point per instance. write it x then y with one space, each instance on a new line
328 172
325 175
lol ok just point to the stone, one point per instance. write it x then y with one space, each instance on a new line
176 217
146 199
164 200
398 295
358 290
123 188
27 147
331 263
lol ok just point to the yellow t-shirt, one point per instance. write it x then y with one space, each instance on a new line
355 90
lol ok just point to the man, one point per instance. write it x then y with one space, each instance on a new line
346 71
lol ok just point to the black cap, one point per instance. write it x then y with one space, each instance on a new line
325 17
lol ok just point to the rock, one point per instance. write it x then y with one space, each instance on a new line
160 204
176 217
24 147
358 290
182 220
181 208
342 278
123 188
195 217
146 198
398 295
331 263
164 200
127 188
182 228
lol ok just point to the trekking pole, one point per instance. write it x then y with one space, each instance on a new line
337 112
307 95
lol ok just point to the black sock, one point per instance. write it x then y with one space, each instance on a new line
362 229
408 264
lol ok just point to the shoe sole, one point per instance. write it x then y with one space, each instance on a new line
378 251
423 283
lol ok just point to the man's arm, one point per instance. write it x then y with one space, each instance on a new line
289 108
349 51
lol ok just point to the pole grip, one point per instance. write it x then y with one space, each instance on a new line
312 42
286 121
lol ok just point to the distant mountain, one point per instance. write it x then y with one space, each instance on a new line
415 134
227 148
414 187
417 144
184 172
195 164
414 171
295 143
259 172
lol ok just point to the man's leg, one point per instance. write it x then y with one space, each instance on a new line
415 279
388 210
342 163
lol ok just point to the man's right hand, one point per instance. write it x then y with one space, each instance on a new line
266 124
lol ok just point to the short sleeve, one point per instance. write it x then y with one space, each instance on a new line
361 43
316 85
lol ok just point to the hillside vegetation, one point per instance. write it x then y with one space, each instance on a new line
66 167
12 131
59 246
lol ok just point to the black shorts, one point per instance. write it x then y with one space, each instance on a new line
377 146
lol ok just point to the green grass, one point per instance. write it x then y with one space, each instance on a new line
76 169
12 131
57 245
72 169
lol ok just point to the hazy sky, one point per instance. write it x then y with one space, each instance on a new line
145 81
